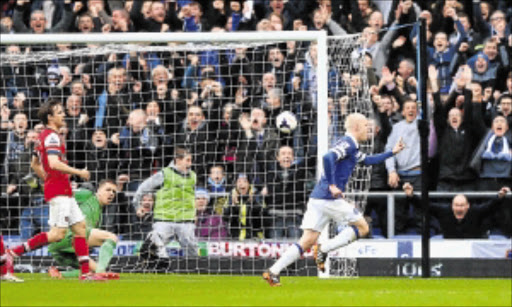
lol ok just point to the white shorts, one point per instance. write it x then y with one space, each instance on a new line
320 211
64 212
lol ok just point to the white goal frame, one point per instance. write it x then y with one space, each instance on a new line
319 37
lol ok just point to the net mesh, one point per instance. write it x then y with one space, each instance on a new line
131 107
347 58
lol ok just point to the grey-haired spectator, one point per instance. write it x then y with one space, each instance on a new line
140 148
496 24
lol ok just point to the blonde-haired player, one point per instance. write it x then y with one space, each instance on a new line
326 201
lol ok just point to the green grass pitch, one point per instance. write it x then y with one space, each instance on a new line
215 290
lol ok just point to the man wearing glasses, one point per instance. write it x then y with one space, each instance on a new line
38 19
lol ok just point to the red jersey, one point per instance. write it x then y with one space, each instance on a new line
56 182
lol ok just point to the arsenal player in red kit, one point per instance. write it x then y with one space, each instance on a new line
6 266
52 166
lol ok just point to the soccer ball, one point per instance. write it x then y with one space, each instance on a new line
286 122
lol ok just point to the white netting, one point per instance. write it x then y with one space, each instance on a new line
353 97
194 96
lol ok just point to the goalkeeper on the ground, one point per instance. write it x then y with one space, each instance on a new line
91 205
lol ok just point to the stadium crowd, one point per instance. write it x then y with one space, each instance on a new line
129 112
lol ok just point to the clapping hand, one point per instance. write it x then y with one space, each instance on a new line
503 192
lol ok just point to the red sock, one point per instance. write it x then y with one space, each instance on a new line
2 248
40 239
3 267
82 253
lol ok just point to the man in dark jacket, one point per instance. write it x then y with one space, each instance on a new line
155 21
194 135
461 220
285 194
458 135
38 20
258 145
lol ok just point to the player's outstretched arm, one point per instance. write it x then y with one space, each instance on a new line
56 164
378 158
399 146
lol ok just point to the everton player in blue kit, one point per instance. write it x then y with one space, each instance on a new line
326 201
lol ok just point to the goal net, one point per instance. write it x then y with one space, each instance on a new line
135 107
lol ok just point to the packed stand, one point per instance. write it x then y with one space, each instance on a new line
129 113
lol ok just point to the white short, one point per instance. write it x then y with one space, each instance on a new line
320 211
64 212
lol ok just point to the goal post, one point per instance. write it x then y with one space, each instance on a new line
232 254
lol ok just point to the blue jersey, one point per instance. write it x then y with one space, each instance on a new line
339 163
